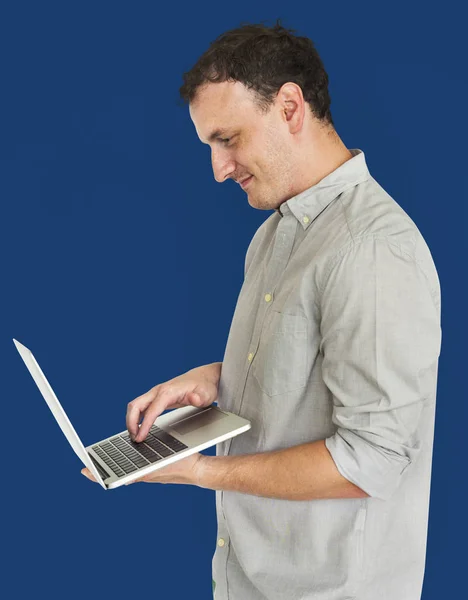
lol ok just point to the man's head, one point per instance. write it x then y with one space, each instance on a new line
259 97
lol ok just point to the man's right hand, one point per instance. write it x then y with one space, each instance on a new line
194 388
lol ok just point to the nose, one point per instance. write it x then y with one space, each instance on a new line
223 166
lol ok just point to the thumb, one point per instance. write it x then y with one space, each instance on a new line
196 399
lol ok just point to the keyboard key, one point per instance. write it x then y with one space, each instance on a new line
147 452
156 445
129 468
125 464
109 462
154 458
135 451
170 441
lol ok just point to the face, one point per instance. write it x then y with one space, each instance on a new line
248 143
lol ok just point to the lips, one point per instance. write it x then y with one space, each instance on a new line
246 181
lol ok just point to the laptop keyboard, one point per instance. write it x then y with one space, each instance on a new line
124 456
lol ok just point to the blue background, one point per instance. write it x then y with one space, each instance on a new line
122 259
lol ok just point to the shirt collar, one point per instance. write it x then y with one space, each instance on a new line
307 205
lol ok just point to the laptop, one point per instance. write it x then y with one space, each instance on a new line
117 460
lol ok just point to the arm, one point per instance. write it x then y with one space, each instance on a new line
213 371
305 472
380 341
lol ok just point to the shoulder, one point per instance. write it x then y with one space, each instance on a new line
376 232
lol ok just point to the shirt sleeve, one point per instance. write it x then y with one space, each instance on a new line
380 343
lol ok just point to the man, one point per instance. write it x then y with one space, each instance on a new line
332 352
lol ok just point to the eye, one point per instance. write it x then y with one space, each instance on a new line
225 140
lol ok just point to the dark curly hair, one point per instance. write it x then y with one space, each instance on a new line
263 59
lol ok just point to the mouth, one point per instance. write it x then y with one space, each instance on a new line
246 182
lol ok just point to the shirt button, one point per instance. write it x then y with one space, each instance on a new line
305 219
220 542
267 297
250 356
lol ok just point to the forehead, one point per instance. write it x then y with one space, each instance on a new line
219 107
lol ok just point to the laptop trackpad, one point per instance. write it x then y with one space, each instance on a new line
201 420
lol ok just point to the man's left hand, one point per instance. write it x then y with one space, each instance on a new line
185 471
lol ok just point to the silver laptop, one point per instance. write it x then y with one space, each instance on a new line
117 460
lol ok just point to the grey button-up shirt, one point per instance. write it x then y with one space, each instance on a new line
336 335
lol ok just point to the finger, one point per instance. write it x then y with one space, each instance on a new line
134 409
157 407
87 473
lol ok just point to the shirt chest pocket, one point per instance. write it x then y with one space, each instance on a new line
280 364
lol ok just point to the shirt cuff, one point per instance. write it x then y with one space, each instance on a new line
376 470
